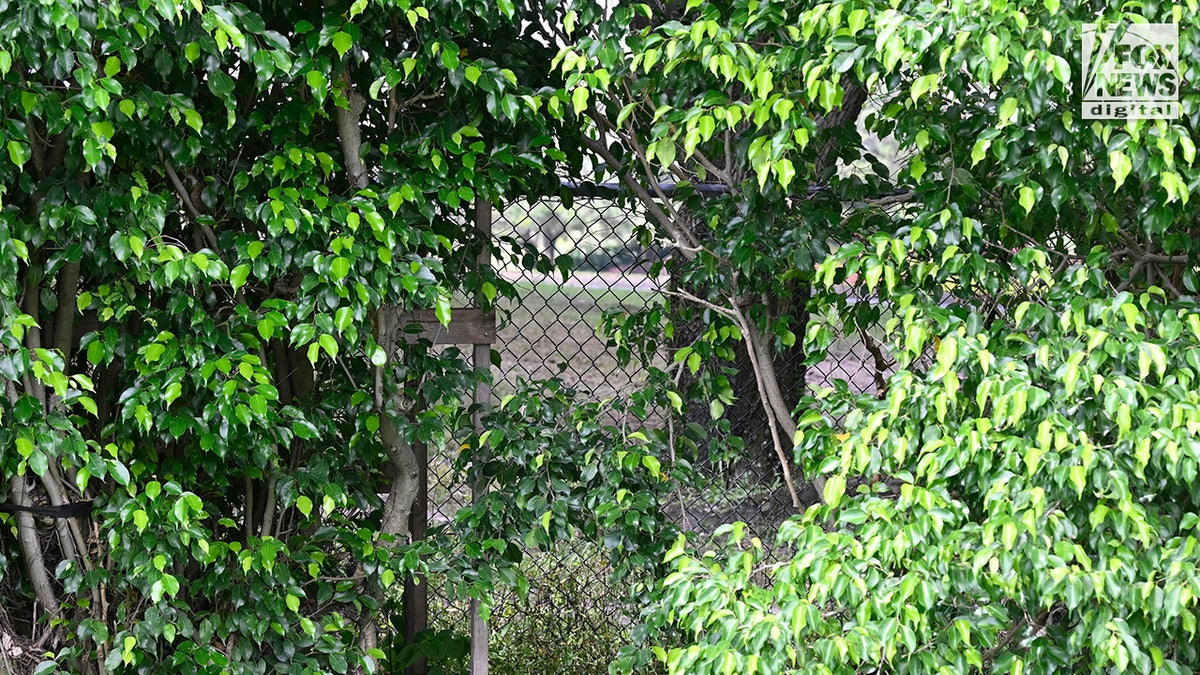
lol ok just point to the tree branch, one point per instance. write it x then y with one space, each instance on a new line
210 237
679 240
31 547
268 517
708 164
882 363
702 302
33 335
350 135
64 319
853 98
773 422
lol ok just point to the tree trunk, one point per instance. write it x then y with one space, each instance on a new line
402 494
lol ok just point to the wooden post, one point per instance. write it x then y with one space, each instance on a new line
416 590
473 326
481 359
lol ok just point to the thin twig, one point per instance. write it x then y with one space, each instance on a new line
882 363
890 200
725 311
679 240
708 164
210 237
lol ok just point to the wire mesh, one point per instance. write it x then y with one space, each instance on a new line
550 330
573 619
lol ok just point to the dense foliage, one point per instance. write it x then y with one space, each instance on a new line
215 217
1021 493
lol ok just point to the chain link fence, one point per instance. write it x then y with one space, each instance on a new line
572 620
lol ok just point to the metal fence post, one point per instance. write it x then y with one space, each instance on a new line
481 358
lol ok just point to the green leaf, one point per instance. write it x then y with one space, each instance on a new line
378 356
923 85
304 505
1061 69
18 153
664 153
1175 187
652 465
119 472
835 487
143 416
716 409
342 318
979 151
1121 166
1077 475
318 83
857 20
990 46
442 308
916 167
38 462
172 392
999 68
238 276
304 429
947 354
342 42
1008 111
579 100
329 344
338 269
1027 198
786 172
192 119
221 84
677 549
88 404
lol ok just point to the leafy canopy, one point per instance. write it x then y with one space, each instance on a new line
1020 496
207 211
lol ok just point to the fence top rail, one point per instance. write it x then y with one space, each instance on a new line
590 189
612 189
